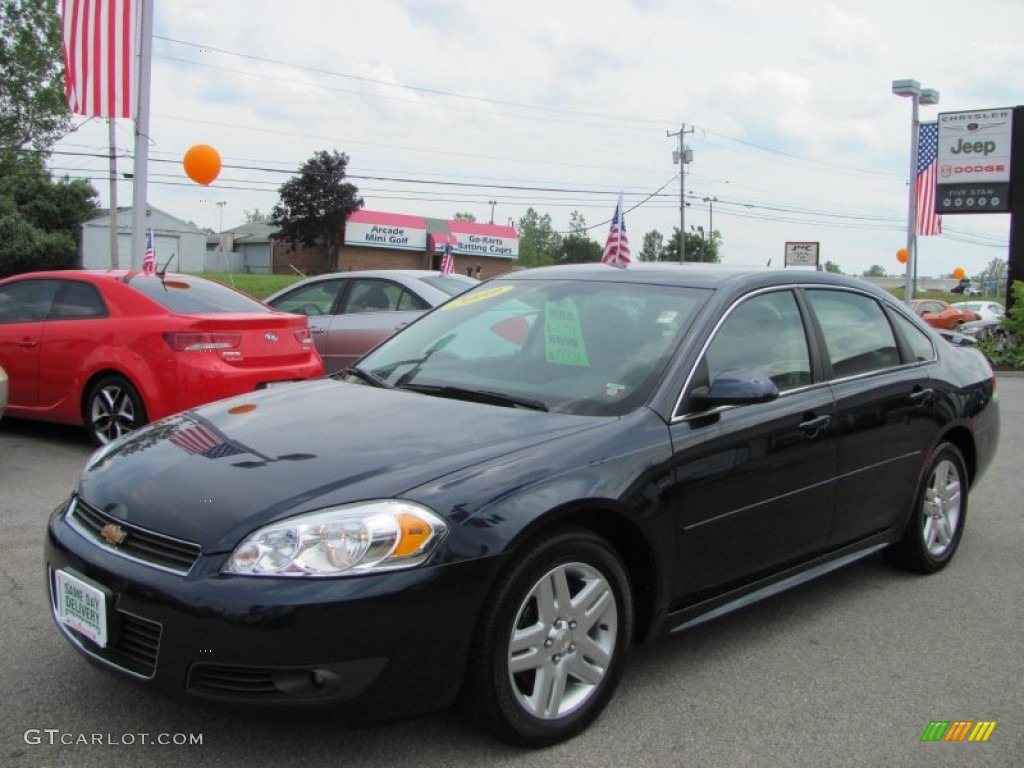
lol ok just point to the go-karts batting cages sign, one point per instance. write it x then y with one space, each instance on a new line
974 161
801 254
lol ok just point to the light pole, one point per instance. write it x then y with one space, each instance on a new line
918 96
711 217
492 204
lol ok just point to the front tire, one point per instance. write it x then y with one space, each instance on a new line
940 510
551 643
113 408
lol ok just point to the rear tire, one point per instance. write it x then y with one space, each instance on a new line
551 643
113 408
936 524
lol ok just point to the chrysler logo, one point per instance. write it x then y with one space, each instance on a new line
270 336
113 534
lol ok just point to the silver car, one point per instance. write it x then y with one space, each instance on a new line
351 312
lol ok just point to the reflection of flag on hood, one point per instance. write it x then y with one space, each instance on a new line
447 262
149 261
616 249
200 440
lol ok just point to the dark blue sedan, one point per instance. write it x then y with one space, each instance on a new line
493 505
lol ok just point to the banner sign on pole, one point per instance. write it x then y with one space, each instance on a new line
974 161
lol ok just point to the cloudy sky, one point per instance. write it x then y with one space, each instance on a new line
447 105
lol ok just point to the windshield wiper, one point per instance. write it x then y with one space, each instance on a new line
477 396
367 376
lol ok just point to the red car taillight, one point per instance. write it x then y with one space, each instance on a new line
201 342
303 336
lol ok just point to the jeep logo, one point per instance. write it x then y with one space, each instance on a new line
973 147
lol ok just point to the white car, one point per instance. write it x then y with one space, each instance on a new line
989 310
3 390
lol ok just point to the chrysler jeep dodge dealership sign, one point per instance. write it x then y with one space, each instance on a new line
974 161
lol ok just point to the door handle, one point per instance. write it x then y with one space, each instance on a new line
922 397
317 331
28 343
813 427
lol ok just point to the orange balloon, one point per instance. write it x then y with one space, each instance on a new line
202 163
901 255
959 273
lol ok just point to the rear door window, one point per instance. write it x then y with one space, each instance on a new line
858 337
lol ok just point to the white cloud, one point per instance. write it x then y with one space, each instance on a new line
790 101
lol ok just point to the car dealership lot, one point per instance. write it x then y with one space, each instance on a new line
848 670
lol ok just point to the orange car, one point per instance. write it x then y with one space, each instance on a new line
939 314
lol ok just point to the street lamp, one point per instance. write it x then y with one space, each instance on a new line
711 216
918 96
492 203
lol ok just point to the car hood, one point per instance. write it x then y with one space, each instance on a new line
213 474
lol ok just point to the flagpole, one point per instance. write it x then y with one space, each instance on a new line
114 264
141 170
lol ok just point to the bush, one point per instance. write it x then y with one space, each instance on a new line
1006 350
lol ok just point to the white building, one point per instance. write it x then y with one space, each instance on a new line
178 244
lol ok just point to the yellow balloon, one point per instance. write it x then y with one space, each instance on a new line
202 163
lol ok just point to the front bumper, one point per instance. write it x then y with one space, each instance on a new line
382 646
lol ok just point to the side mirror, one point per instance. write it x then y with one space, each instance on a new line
736 386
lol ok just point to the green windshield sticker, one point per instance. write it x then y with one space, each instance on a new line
563 338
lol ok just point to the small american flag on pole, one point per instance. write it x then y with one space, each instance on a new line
928 221
149 260
447 262
99 56
616 249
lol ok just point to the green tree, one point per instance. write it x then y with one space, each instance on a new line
40 218
316 204
653 245
578 247
33 109
464 216
875 271
697 248
831 266
539 244
255 216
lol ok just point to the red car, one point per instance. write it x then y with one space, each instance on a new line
112 350
939 314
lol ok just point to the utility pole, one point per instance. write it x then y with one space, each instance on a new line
682 156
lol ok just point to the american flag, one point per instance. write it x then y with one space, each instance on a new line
149 260
616 249
201 441
928 221
447 262
99 56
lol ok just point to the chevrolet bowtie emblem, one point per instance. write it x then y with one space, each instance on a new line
113 534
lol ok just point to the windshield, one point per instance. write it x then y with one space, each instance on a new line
571 346
194 296
451 284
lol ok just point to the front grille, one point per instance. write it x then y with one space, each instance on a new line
147 547
134 646
241 682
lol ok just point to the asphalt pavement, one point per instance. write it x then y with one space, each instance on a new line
846 671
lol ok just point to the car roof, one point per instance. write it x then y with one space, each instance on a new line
694 275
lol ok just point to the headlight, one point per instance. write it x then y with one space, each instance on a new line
359 538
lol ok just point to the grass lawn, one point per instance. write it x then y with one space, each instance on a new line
258 286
